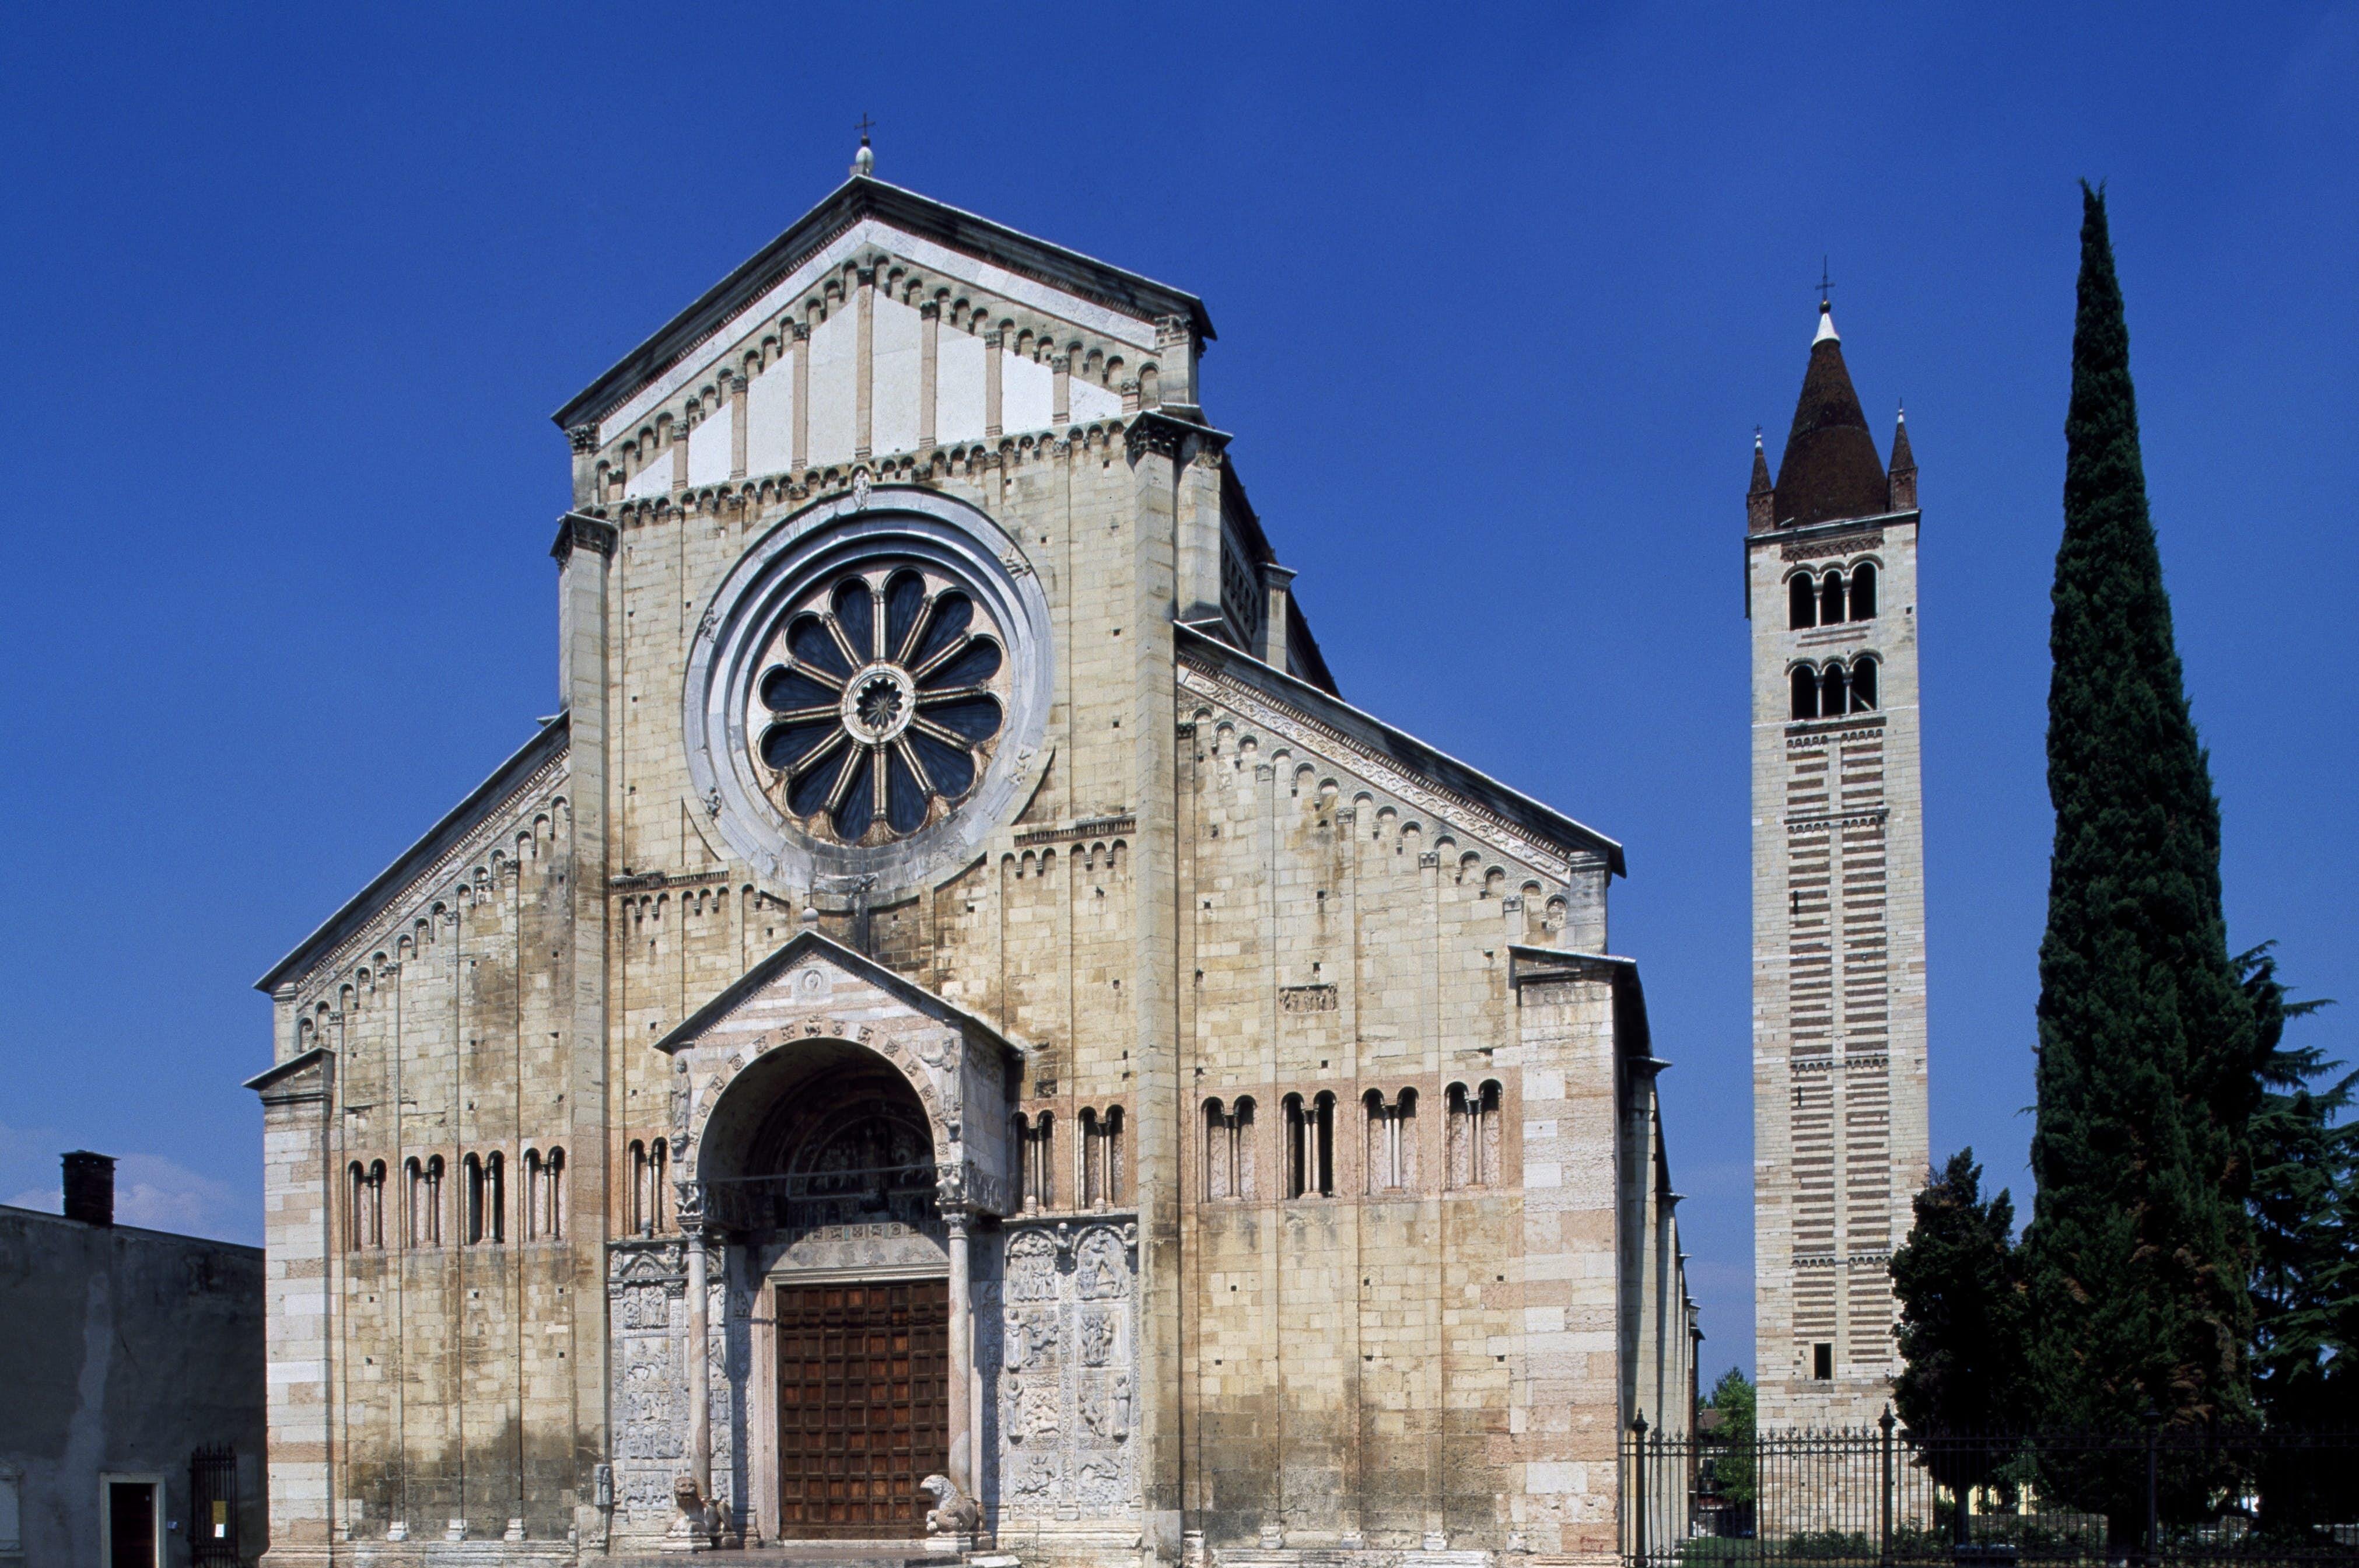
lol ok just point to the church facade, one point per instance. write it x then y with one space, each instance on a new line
1839 1130
958 1033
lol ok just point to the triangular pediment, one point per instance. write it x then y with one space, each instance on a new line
867 265
843 983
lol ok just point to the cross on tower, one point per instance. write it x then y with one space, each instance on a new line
865 127
1826 284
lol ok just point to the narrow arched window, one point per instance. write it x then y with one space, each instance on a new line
535 1194
429 1203
1457 1142
495 1197
1243 1181
1863 685
1375 1143
1833 692
470 1180
377 1204
1322 1118
1806 690
554 1172
658 1158
1093 1183
1219 1154
1801 601
1299 1141
1115 1176
1036 1162
1863 592
356 1207
635 1196
413 1182
1487 1134
1831 599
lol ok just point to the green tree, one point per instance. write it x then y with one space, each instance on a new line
1734 1477
2140 1249
2305 1196
1962 1308
1959 1279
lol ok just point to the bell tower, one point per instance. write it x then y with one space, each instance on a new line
1839 1119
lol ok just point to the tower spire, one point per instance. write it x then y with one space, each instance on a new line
1904 466
1760 500
1829 469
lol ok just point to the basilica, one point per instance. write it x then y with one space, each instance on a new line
957 1040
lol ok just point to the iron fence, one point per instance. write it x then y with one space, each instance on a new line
212 1507
1886 1496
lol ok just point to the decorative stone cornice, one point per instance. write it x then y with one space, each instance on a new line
1321 739
575 530
1167 435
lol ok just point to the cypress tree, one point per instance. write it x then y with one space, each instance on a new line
2139 1246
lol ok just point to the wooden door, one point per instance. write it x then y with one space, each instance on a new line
131 1524
864 1377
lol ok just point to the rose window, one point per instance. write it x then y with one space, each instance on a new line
879 702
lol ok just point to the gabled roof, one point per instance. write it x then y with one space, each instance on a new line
812 943
864 196
440 839
1403 750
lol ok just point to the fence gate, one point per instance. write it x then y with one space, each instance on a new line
212 1507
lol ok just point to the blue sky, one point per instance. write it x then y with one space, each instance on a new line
289 294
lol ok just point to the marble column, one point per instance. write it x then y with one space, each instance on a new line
964 1426
700 1358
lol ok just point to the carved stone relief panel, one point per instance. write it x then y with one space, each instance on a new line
647 1285
1063 1359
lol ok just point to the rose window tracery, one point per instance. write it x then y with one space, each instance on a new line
880 699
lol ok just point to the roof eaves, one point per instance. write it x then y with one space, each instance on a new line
455 824
1436 764
861 196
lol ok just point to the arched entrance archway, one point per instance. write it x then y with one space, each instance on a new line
818 1165
820 1135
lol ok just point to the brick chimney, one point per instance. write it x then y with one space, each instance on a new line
90 1187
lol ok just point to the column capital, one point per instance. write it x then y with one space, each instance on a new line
800 330
930 309
738 382
992 338
584 437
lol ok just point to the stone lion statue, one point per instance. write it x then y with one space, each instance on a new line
954 1513
690 1500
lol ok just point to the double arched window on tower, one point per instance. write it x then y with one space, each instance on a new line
1828 600
1836 688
